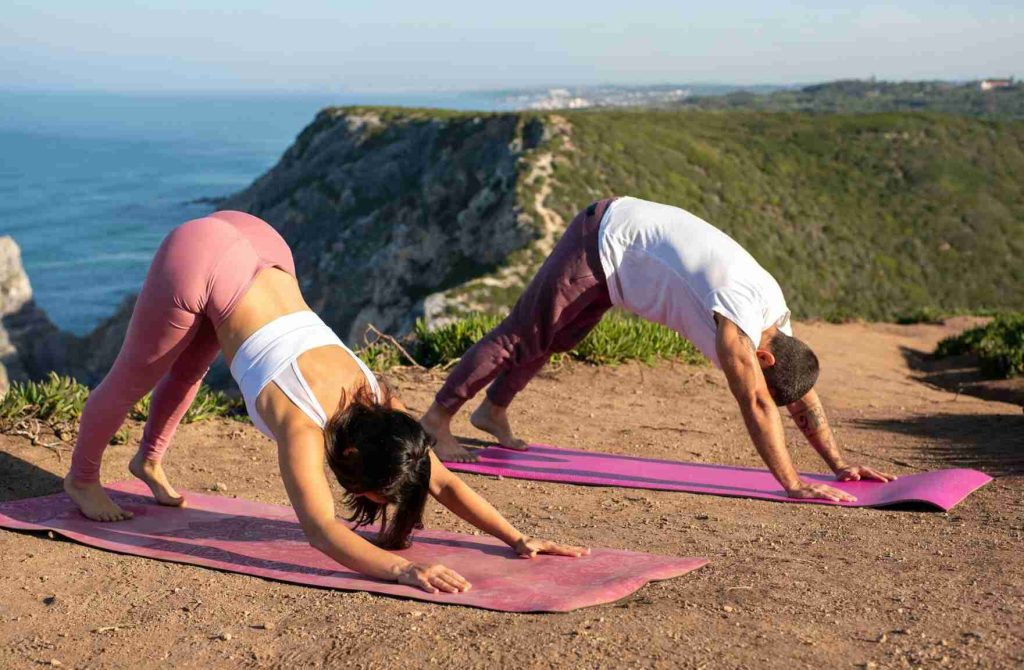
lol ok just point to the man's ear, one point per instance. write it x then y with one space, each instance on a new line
765 358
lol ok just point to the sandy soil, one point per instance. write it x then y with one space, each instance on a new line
788 585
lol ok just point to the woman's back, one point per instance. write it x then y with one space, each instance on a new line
330 371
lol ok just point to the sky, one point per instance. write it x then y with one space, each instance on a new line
399 45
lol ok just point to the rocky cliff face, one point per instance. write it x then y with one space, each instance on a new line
388 211
31 345
391 215
26 333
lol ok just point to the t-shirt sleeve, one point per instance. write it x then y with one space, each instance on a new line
784 324
740 306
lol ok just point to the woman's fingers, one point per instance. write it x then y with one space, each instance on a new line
456 580
423 582
565 550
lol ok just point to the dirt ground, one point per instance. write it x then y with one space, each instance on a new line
788 585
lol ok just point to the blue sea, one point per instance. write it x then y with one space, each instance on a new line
90 183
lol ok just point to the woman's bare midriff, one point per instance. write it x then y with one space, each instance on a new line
330 371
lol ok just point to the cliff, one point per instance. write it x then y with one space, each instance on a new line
31 345
390 213
397 214
394 214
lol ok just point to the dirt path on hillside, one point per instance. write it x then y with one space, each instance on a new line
788 585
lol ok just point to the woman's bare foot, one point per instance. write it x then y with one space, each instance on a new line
94 501
492 419
152 473
438 423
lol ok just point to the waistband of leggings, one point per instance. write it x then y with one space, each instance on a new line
592 235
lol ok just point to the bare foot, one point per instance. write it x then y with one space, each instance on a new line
437 422
492 419
94 501
152 473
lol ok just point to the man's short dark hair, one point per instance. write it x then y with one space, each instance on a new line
795 370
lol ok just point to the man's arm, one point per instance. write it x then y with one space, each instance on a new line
810 418
736 354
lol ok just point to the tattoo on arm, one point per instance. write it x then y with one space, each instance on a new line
811 420
813 423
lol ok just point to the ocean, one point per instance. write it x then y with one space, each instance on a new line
91 182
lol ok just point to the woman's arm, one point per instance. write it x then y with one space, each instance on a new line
468 505
301 458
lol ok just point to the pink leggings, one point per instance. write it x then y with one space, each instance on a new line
201 271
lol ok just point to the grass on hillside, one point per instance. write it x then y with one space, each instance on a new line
57 403
618 338
857 216
999 346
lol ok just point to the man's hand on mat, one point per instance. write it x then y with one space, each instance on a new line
529 547
853 473
433 578
820 491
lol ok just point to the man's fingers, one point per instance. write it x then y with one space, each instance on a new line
425 584
880 476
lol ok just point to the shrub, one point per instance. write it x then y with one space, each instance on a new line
208 404
447 343
999 345
57 403
618 338
622 337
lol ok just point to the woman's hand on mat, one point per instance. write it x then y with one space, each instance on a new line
528 547
853 473
807 491
433 578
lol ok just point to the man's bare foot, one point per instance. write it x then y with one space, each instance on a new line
492 419
437 422
94 501
152 473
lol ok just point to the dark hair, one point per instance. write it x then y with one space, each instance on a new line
373 448
795 370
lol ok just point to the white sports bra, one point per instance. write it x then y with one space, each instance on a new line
271 355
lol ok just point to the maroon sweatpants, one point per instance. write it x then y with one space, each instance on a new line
561 305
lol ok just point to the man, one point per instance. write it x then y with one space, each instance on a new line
669 266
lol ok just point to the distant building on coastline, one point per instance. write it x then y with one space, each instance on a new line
992 84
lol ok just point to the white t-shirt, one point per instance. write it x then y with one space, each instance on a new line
669 266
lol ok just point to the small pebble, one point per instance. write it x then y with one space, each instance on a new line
225 636
220 487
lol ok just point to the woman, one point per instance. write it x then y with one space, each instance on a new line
227 283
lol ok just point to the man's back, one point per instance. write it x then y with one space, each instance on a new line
670 266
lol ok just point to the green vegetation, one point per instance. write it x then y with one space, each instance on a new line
865 96
870 216
208 404
57 403
999 346
618 338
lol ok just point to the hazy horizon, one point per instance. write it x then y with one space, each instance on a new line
318 47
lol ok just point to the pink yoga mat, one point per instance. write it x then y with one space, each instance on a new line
266 541
941 488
